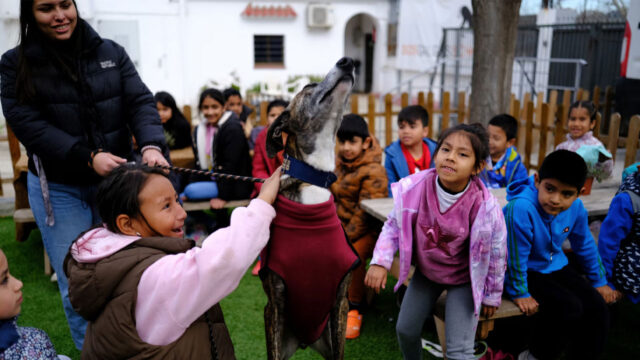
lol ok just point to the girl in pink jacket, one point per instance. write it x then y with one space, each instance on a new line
452 227
138 207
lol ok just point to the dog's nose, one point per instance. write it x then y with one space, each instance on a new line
345 63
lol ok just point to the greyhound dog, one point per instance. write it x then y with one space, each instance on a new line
306 130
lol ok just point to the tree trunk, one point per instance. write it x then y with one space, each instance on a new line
495 26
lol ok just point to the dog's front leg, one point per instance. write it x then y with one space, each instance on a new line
274 317
338 319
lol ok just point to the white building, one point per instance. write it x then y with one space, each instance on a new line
182 46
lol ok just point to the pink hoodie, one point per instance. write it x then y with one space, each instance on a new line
177 289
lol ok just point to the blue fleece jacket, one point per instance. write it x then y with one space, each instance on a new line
396 165
505 171
615 228
534 239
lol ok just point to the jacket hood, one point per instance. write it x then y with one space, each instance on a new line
372 155
96 244
526 189
92 284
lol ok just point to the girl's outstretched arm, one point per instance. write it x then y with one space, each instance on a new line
177 289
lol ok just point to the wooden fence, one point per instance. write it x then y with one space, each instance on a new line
541 125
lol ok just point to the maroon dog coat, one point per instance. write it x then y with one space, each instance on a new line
309 251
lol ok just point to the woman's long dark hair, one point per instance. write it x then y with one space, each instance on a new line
167 100
29 33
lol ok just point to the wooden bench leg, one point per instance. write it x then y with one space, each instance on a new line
441 334
484 327
47 264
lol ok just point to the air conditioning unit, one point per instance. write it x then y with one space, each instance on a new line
320 16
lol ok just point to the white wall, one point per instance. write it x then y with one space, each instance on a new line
183 44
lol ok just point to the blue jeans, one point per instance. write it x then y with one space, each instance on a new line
74 211
201 190
418 304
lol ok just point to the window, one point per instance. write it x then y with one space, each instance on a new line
268 50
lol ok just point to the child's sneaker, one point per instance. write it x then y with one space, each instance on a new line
256 268
354 321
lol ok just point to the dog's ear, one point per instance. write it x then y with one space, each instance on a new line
274 134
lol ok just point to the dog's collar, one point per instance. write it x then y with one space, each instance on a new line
305 172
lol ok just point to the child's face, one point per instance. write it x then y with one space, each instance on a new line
164 111
498 142
234 103
212 110
160 207
350 150
455 162
274 113
10 291
412 134
580 122
555 196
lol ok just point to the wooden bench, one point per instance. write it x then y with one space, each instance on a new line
204 205
485 325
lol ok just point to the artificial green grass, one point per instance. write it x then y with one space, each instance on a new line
243 311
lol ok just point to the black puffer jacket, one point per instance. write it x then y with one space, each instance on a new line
70 119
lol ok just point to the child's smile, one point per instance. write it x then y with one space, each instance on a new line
161 213
579 122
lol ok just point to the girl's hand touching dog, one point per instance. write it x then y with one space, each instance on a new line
376 278
270 188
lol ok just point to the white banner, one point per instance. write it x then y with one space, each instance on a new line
420 27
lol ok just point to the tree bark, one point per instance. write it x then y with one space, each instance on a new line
495 26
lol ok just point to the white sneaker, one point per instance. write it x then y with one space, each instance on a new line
54 277
526 355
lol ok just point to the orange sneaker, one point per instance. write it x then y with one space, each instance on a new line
354 321
256 268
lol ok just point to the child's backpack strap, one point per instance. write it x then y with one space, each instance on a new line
635 200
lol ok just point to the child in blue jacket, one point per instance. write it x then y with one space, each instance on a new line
413 151
543 211
506 165
619 243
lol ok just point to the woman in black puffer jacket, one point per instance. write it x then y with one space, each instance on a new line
72 99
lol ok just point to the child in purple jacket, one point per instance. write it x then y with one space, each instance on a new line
454 229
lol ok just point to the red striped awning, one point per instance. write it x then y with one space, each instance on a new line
269 11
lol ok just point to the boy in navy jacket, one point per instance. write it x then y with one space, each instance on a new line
413 151
619 243
542 212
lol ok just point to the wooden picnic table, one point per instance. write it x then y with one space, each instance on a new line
597 203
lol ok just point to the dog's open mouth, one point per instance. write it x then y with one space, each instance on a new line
344 78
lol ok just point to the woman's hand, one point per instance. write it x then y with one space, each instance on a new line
376 278
153 157
217 203
104 162
608 294
269 190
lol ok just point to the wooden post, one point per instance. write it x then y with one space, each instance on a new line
585 95
632 140
446 112
421 100
559 125
371 115
579 94
186 111
544 120
608 102
515 112
529 139
525 101
596 128
614 130
388 124
404 100
462 119
354 104
432 114
264 105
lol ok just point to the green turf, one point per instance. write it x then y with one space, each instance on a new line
243 312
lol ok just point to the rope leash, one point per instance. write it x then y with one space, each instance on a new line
211 174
